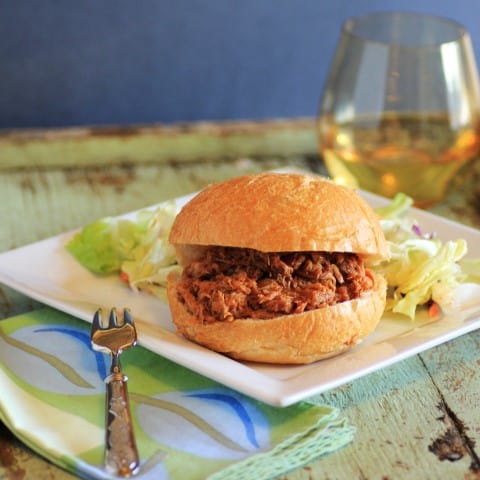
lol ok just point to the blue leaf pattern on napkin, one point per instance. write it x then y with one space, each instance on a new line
230 427
239 409
61 361
84 338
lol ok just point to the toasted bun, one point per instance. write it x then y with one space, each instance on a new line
275 212
290 339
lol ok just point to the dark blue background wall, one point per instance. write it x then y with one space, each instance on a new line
65 62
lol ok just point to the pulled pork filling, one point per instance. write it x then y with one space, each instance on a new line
234 283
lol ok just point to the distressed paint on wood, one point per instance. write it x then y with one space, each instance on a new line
38 203
155 144
397 417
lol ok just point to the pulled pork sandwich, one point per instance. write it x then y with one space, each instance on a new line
273 268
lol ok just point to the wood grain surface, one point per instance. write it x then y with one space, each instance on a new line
418 419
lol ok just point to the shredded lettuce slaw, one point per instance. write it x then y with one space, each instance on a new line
422 270
137 249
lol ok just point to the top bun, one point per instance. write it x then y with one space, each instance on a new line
279 212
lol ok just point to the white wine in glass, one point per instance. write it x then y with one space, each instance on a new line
400 109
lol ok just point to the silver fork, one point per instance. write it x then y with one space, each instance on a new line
121 455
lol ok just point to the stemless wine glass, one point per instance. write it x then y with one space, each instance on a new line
400 109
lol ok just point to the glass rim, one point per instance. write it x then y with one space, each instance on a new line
352 23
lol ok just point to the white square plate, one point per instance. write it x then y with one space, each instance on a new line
46 272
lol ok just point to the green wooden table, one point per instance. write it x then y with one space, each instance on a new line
417 419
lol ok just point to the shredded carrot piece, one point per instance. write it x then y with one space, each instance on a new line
124 277
433 310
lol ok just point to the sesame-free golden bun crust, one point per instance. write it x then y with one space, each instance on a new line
278 212
274 212
289 339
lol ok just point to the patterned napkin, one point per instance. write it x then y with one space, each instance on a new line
187 427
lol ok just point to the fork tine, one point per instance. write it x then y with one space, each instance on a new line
113 319
127 316
97 320
128 319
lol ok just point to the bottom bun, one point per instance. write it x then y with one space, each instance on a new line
289 339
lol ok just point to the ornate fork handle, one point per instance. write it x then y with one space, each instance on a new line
121 455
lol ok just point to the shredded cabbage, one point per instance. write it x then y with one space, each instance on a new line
421 269
154 258
137 249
